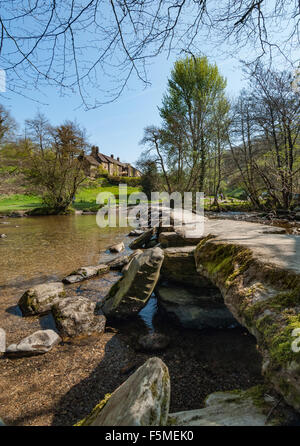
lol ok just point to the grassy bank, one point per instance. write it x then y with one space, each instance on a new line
85 199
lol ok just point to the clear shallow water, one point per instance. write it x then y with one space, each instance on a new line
47 248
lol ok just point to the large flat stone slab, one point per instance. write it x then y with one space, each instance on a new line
282 250
132 292
240 408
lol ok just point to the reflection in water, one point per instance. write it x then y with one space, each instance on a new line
47 322
148 312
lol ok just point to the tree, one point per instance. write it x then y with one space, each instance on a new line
219 130
150 180
47 42
266 129
38 130
56 172
7 125
195 89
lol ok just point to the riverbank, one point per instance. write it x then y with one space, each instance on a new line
85 199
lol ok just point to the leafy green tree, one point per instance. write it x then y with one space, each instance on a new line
150 180
56 172
195 91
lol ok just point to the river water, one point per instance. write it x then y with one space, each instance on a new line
47 248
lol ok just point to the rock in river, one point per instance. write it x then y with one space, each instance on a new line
75 316
38 343
39 299
117 248
86 272
143 239
152 342
131 293
119 262
142 400
179 266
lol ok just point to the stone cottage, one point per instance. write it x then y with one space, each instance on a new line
96 160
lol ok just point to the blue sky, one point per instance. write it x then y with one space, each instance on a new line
118 127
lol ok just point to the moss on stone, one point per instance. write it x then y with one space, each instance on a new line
87 421
222 261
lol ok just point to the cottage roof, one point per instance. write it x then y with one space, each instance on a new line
92 160
102 157
113 160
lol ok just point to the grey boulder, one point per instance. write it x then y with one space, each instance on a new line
38 343
117 248
39 299
75 316
142 400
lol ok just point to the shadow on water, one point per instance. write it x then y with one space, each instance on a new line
47 322
15 310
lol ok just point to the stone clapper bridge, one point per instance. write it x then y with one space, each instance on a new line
257 269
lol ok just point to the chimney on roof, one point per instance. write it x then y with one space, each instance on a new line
118 159
95 151
111 156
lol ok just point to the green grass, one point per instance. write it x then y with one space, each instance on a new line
230 205
19 202
85 199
